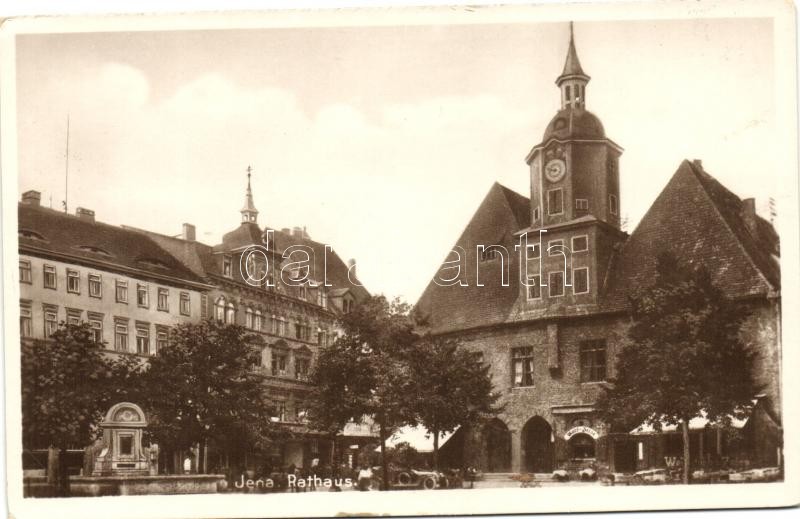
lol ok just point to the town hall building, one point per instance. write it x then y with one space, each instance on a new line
550 322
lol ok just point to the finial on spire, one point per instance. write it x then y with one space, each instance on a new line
572 80
249 211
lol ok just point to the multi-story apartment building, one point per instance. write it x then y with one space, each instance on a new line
73 268
288 290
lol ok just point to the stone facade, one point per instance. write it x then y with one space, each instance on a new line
547 307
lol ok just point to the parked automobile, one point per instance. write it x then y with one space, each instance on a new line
756 475
411 479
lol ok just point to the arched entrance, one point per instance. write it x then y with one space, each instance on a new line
537 444
497 446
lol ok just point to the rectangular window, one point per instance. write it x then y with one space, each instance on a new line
74 316
612 204
593 360
143 339
125 445
556 284
227 267
534 251
73 282
301 367
49 279
96 323
280 411
490 252
121 291
278 363
163 299
185 304
298 331
582 204
50 320
535 214
580 280
95 285
555 248
25 271
142 295
555 201
580 243
121 336
161 339
522 366
534 287
25 319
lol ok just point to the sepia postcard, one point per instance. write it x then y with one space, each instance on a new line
401 261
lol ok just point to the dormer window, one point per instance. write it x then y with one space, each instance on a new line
92 249
31 235
227 267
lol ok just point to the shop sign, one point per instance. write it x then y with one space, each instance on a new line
581 429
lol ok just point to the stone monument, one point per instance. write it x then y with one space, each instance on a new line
122 453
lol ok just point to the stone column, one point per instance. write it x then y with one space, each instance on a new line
516 451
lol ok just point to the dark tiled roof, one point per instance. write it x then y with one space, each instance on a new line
699 220
574 123
694 217
96 243
202 258
501 213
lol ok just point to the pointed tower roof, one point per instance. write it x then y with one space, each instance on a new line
572 66
249 211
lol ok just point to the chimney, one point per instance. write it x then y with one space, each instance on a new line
33 198
297 232
351 268
698 163
749 216
189 232
286 230
85 214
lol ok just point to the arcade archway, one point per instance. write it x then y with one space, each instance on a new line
497 446
537 444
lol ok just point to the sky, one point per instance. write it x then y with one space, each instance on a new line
381 141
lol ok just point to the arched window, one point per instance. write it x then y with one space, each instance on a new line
248 318
581 446
230 314
257 321
219 310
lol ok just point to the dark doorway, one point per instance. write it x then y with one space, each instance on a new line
624 456
537 443
497 446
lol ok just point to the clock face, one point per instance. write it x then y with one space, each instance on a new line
554 170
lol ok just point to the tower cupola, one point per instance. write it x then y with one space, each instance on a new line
572 80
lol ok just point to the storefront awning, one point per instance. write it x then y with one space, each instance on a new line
417 437
696 423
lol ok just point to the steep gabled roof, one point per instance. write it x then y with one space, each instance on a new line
94 243
500 215
700 221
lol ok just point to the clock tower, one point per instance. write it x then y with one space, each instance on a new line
575 169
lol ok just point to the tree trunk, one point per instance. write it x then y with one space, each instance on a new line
436 449
201 455
384 466
63 477
685 429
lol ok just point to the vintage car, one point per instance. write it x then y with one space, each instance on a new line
419 479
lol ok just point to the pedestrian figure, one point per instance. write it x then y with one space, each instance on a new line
364 478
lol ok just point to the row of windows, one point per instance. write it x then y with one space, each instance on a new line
280 361
266 279
274 324
122 343
554 248
556 285
555 204
592 363
95 287
282 412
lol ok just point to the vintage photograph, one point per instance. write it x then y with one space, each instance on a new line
447 254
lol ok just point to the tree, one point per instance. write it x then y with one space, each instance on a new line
453 387
68 383
685 357
202 389
364 372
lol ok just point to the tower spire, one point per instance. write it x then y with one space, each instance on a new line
249 211
573 79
